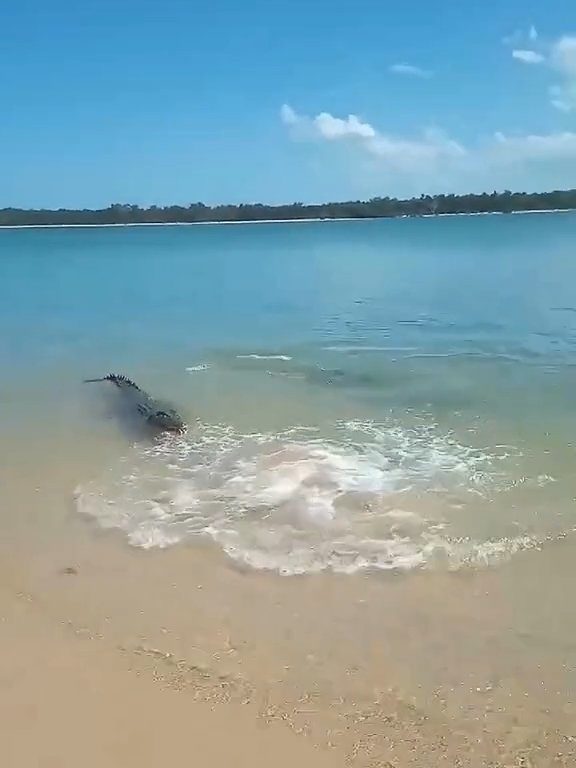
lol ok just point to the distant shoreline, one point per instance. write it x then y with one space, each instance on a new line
323 220
127 214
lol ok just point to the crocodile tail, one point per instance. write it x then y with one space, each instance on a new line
115 379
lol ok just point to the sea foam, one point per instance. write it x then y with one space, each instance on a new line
296 502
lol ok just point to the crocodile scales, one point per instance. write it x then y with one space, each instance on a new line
156 414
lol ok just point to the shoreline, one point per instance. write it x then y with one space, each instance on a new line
285 221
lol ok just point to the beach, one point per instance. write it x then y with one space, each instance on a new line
361 552
69 698
109 655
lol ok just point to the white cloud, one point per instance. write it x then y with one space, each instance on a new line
557 100
406 155
534 147
563 56
288 116
559 56
434 158
527 56
410 69
563 61
330 127
424 153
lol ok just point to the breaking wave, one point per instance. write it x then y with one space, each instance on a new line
297 502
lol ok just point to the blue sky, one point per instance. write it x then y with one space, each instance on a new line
175 101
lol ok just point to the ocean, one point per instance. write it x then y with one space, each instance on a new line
376 488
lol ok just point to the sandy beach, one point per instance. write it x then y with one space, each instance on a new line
69 699
114 656
119 656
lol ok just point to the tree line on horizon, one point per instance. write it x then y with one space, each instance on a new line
377 207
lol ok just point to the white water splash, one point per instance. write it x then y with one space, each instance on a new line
296 502
285 358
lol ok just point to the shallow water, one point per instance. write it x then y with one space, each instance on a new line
389 394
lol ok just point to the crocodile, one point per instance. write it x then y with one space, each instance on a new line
157 415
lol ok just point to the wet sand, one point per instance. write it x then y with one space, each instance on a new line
69 699
130 658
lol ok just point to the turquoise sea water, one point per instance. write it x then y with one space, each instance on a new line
388 394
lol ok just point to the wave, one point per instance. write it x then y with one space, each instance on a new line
297 502
285 358
351 349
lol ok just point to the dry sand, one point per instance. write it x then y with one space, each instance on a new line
67 701
116 663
